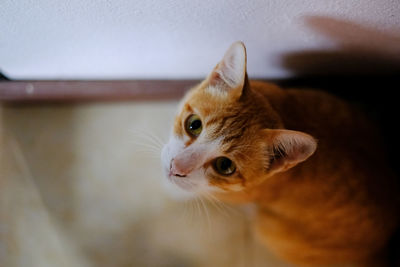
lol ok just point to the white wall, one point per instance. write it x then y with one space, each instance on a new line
51 39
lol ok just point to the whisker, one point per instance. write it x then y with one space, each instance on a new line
147 144
188 212
223 210
188 209
144 142
198 210
148 152
182 215
207 215
192 211
149 136
157 139
225 206
149 148
215 204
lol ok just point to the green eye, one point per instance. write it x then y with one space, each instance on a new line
193 125
224 166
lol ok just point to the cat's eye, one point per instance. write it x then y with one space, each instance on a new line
224 166
193 125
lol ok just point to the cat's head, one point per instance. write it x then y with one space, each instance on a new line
227 137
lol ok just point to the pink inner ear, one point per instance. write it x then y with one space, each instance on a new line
299 150
215 79
290 148
230 72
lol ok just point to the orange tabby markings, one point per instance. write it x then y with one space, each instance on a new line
328 202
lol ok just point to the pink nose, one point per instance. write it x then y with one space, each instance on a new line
178 169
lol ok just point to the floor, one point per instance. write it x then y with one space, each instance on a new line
81 185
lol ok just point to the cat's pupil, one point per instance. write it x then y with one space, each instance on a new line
195 125
225 164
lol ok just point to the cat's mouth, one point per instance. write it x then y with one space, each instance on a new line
181 182
177 175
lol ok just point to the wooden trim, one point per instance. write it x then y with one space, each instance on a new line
351 87
73 91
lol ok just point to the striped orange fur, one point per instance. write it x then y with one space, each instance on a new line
310 163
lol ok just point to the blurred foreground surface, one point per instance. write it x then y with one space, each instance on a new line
81 185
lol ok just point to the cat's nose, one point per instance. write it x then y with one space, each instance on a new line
177 170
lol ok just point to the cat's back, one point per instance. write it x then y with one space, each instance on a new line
347 176
317 113
341 129
349 145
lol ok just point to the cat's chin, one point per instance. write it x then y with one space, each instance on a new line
177 192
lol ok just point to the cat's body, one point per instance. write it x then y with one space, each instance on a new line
340 204
331 203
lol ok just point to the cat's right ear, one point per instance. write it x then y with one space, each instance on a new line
229 77
286 148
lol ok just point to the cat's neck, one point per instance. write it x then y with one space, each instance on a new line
241 197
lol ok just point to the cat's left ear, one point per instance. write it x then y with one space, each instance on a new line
286 148
229 76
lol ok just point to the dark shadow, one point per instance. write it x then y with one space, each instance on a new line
364 64
359 50
3 77
363 68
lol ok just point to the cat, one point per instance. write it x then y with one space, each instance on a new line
310 163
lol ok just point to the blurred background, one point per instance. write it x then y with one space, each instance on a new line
80 176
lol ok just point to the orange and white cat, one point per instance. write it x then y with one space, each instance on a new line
309 162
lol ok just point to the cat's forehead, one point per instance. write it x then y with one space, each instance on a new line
205 103
225 122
